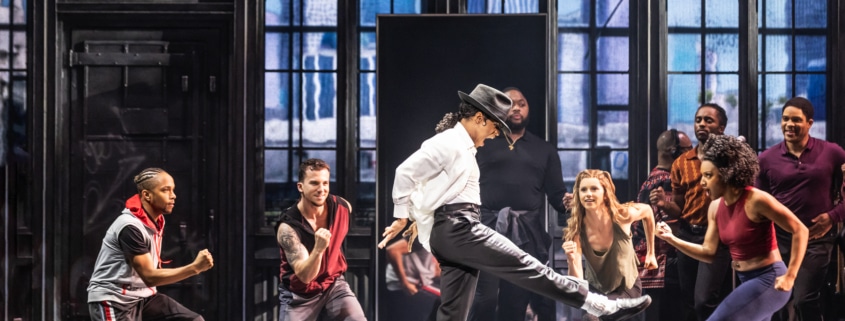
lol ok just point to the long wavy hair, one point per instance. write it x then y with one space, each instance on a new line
611 203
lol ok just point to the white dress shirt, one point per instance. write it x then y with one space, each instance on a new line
443 171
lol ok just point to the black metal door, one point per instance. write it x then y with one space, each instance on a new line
142 99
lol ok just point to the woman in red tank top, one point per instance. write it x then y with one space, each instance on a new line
743 217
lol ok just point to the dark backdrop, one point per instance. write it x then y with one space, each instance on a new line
423 60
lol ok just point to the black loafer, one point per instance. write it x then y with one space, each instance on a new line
628 308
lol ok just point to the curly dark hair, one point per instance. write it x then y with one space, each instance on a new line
465 110
736 161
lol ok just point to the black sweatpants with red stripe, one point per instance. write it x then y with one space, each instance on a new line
156 307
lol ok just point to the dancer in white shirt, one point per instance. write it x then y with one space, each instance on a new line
437 187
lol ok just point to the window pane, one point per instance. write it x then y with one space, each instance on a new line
276 51
572 52
367 166
812 87
721 13
778 53
684 52
571 163
319 98
297 51
778 14
276 166
725 92
18 50
277 12
760 57
368 51
319 51
722 52
684 92
573 111
619 165
776 96
296 108
612 54
683 13
810 53
369 10
573 13
367 110
279 182
810 14
612 13
612 89
521 6
476 6
406 6
320 12
613 129
276 109
365 210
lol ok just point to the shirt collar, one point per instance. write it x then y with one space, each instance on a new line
810 144
691 154
464 139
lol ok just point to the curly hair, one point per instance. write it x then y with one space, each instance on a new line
610 201
736 161
465 110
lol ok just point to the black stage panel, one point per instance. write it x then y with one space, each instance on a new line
423 60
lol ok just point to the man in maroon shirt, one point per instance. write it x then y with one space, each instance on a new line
310 235
804 173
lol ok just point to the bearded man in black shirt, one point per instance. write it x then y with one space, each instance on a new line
514 178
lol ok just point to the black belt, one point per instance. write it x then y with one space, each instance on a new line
457 207
692 228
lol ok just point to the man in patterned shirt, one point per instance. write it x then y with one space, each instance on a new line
662 283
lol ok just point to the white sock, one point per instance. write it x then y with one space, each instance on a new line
599 305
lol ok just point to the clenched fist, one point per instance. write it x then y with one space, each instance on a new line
321 239
570 248
204 261
657 197
663 231
567 201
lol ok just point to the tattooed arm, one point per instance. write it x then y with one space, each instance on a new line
305 265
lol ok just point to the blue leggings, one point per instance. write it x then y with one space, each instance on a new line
756 298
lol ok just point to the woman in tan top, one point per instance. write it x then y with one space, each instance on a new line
600 230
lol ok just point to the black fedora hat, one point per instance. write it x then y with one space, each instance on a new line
492 102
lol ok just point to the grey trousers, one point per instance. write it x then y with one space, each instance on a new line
463 246
337 303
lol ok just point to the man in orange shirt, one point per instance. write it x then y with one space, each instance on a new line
705 285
